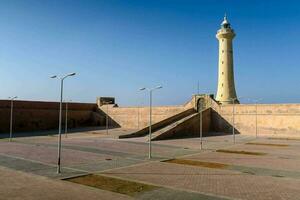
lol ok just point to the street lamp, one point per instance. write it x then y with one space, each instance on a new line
150 114
233 125
233 110
11 116
200 109
66 120
60 113
256 128
200 115
106 103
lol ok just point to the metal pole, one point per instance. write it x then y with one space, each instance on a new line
150 124
66 124
11 119
200 129
256 120
138 117
59 129
106 118
233 131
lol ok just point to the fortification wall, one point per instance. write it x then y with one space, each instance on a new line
36 115
138 117
272 119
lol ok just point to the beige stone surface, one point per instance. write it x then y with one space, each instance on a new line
282 120
138 117
225 183
37 116
20 186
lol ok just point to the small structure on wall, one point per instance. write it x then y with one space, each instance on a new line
105 100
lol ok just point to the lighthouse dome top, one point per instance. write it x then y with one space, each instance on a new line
225 23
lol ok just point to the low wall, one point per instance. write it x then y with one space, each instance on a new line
272 119
138 117
35 115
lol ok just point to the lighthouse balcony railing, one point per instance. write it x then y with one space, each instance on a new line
225 30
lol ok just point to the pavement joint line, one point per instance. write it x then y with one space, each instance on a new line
74 176
64 146
153 143
70 148
168 187
47 164
71 168
95 162
34 161
53 146
134 165
194 154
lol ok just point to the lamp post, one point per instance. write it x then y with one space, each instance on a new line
200 105
140 105
150 115
233 112
106 103
60 117
233 125
66 120
138 118
200 128
11 116
256 127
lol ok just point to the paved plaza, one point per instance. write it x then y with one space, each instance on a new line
270 171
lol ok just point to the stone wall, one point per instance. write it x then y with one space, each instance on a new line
138 117
272 119
35 115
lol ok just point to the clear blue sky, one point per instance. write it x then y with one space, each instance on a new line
118 46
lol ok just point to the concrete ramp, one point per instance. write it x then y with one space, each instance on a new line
162 124
186 127
185 124
173 128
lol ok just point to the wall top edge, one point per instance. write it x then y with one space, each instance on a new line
32 101
261 104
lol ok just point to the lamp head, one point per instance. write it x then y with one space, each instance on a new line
142 88
55 76
158 87
72 74
12 98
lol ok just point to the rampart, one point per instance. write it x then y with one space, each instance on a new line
270 119
137 118
37 115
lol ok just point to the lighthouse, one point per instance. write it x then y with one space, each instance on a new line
226 93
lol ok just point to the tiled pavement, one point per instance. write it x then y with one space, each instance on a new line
16 185
272 176
223 183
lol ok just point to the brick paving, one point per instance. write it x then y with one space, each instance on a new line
223 183
272 176
47 154
17 185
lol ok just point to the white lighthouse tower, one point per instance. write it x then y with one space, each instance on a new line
226 93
